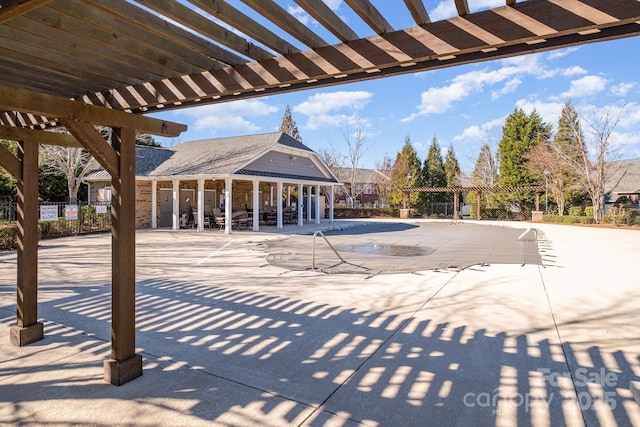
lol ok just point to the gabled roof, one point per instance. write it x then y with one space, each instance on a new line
222 157
625 177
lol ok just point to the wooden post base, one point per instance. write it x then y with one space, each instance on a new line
118 373
21 336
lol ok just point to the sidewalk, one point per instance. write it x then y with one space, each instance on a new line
230 339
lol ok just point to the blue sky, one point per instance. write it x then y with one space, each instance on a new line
463 106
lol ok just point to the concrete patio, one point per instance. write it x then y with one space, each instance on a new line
236 330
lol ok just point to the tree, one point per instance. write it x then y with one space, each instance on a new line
548 160
485 174
288 125
7 182
433 174
407 165
593 162
357 146
72 162
382 178
520 133
451 171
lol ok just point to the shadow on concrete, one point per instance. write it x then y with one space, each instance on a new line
250 358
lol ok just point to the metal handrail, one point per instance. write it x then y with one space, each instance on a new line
313 250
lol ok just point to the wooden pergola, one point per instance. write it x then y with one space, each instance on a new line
537 189
80 63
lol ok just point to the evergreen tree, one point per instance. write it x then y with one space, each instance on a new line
288 125
433 173
451 171
520 133
567 145
407 164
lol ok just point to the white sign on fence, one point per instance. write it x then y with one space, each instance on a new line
48 212
101 209
70 212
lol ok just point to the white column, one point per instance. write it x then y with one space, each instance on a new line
300 200
317 204
154 204
176 204
288 195
200 219
279 206
309 203
332 199
227 205
256 205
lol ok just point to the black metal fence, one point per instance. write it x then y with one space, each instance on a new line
64 219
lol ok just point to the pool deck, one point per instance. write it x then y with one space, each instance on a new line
232 335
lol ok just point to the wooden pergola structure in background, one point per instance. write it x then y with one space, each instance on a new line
80 63
480 190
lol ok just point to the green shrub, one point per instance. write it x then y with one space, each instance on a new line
576 211
588 211
8 237
568 219
617 215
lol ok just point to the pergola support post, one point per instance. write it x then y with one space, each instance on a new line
124 365
456 205
479 206
27 329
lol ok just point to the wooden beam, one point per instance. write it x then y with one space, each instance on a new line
13 9
26 101
10 163
202 25
418 11
328 18
286 22
370 15
39 136
96 145
462 7
228 14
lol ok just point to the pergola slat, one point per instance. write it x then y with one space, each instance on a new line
246 25
14 9
202 25
369 14
328 18
288 23
418 11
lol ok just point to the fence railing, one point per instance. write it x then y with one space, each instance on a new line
64 219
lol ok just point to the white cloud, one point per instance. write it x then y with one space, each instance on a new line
299 13
623 89
234 115
440 100
334 109
573 71
509 87
586 86
479 133
548 111
333 4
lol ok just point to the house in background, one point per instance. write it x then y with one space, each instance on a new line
271 177
369 190
623 182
